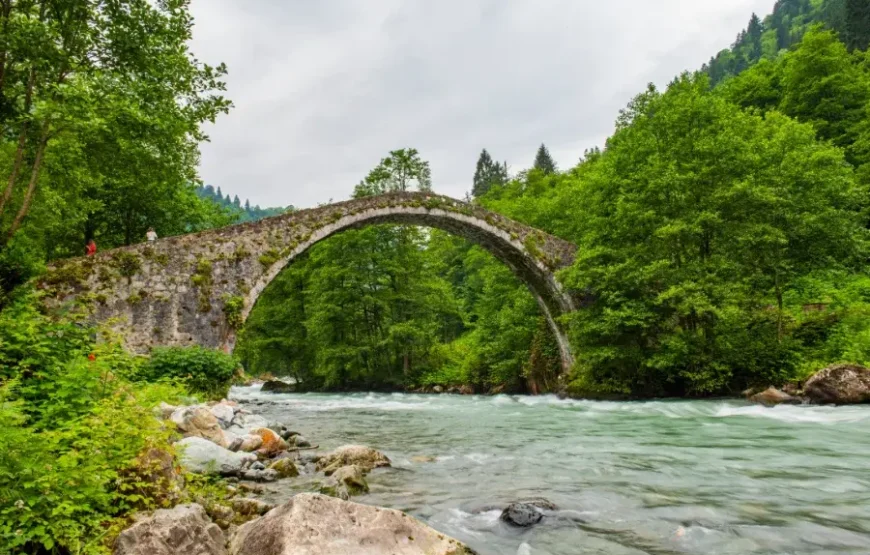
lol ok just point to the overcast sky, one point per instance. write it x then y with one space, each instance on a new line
323 89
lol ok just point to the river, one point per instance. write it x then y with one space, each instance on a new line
681 477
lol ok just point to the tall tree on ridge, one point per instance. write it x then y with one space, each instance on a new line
487 174
857 24
543 161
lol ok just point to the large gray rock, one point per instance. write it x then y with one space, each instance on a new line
773 396
203 456
345 482
840 384
360 455
244 422
526 512
224 414
277 386
313 524
198 421
185 529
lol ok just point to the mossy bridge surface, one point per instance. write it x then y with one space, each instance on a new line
199 288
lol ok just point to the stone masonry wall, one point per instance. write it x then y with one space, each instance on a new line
199 288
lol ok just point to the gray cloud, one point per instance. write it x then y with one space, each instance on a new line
323 90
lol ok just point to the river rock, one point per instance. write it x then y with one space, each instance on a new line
185 529
272 442
285 468
247 507
772 396
201 455
466 390
312 524
840 384
244 422
221 515
527 512
345 482
266 475
224 414
300 441
154 475
277 386
360 455
164 410
423 459
198 421
437 389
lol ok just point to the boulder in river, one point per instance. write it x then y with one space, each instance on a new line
360 455
203 456
772 396
527 512
224 414
840 384
198 421
345 482
272 442
183 529
277 386
313 524
244 422
286 468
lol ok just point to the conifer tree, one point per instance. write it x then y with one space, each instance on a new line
543 161
247 205
857 24
236 202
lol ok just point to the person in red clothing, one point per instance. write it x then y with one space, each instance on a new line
91 249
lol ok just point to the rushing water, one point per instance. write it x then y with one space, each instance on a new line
697 477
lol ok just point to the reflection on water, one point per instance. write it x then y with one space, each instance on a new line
686 477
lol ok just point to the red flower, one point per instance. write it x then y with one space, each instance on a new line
92 357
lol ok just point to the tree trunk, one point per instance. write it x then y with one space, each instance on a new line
31 186
22 143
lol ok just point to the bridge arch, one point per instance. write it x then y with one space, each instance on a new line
200 288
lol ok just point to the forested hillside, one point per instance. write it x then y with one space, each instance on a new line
241 212
767 38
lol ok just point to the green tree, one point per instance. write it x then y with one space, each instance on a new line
403 170
544 162
487 174
857 23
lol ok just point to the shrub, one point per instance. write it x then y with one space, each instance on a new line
205 371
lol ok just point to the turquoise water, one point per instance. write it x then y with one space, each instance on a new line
683 477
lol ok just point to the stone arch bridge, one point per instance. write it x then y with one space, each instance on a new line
199 288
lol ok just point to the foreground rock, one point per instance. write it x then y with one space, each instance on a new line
360 455
203 456
244 422
772 396
840 384
185 529
198 421
527 512
277 386
312 524
286 468
345 482
272 443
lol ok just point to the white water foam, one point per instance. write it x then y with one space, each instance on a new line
799 414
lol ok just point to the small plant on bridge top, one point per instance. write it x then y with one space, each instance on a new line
127 264
269 257
240 254
233 307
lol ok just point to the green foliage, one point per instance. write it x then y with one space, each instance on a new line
239 213
488 174
73 429
204 371
233 307
544 162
